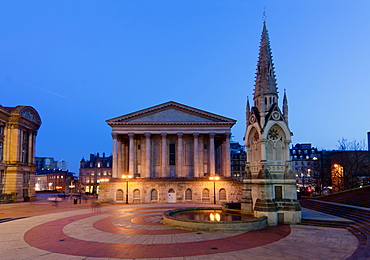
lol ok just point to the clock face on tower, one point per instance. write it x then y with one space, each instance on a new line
273 134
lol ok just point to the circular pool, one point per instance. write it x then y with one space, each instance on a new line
212 219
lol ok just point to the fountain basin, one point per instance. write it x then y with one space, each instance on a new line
211 219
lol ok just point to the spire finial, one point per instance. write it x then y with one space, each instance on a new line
264 15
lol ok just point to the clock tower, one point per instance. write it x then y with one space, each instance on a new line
269 182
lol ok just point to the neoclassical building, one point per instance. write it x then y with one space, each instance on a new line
171 150
18 130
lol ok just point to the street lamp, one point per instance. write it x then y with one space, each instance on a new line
126 177
214 179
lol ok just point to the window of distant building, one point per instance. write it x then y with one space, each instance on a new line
222 194
188 194
136 196
119 195
154 195
205 195
98 164
172 154
26 177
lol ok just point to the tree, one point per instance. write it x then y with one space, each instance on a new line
348 164
345 145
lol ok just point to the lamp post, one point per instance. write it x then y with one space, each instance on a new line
126 177
214 179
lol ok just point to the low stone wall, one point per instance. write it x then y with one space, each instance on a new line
140 190
212 226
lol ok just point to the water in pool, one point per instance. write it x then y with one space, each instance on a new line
210 215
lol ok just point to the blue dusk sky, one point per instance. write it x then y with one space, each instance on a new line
79 63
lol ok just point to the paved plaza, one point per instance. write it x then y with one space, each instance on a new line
39 230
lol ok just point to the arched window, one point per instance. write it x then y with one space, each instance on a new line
153 195
136 196
222 194
188 194
205 195
119 195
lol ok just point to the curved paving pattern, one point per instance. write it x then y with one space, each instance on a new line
129 232
49 235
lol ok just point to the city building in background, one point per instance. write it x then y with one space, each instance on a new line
18 130
238 158
49 163
349 169
93 171
57 180
306 163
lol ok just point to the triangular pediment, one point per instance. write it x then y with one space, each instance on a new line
170 112
275 113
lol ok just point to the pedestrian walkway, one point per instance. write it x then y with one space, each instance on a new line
75 231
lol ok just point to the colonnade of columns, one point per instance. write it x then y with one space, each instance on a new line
135 152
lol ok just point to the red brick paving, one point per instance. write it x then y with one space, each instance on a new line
50 237
107 226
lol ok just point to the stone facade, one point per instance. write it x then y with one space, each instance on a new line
171 140
167 144
171 190
18 130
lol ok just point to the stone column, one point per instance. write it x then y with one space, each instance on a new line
119 157
30 149
131 155
212 154
114 155
34 147
263 150
227 155
179 163
147 155
196 154
164 153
